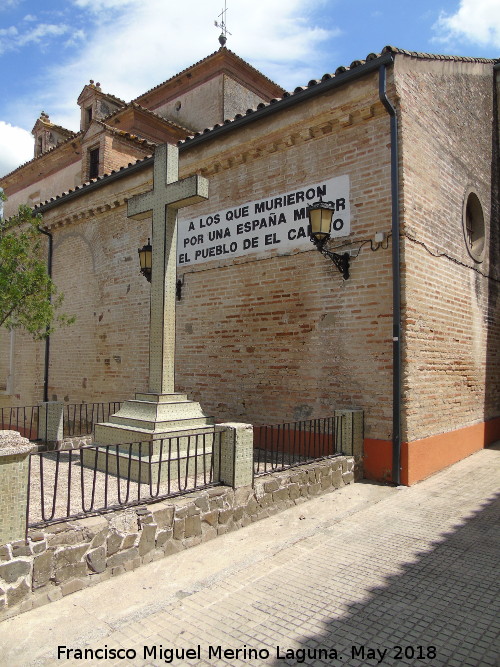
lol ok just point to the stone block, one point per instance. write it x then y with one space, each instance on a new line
163 536
130 540
294 491
43 566
192 541
243 494
266 500
272 485
215 491
172 547
146 558
96 559
181 512
120 558
20 548
65 538
337 481
39 547
163 515
17 594
179 525
95 529
251 506
114 543
348 477
192 526
211 517
202 503
326 482
5 553
238 513
73 586
147 539
75 571
216 503
225 516
100 538
314 489
281 495
14 570
146 520
69 555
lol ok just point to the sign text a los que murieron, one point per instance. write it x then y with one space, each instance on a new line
278 222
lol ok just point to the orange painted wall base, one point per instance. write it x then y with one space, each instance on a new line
422 458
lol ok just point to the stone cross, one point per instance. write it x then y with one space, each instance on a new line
168 195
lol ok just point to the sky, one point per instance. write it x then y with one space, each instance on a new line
49 50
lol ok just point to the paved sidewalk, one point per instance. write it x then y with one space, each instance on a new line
366 575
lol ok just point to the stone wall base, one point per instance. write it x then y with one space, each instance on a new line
66 557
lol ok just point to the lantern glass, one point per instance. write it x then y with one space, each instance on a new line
320 218
146 259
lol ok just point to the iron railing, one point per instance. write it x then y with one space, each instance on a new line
281 446
79 418
23 419
93 480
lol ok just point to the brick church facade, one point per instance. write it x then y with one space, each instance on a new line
268 331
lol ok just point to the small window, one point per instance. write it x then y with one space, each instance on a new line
88 113
473 226
94 163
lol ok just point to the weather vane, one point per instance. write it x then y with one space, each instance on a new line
222 25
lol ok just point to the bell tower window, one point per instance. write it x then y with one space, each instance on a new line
94 163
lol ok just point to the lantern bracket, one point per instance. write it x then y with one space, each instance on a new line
340 261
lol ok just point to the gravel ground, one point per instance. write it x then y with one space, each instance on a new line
70 488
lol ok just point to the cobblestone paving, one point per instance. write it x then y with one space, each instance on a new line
412 580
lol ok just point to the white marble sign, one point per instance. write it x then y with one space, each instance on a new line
278 223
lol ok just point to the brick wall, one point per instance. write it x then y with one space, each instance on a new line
451 369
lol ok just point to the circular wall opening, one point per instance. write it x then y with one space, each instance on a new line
473 226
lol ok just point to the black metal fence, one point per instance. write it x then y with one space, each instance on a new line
92 480
281 446
23 419
79 419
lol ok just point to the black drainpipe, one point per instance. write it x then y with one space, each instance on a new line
47 339
396 283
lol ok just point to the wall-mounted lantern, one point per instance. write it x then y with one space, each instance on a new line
145 259
320 221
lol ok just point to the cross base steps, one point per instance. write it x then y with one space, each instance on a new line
147 420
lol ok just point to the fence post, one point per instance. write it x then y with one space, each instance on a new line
349 432
236 455
14 481
51 422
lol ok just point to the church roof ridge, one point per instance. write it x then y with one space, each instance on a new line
387 50
199 62
436 56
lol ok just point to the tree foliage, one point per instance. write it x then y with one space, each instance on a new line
28 297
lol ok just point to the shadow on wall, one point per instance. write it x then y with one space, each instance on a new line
444 604
492 380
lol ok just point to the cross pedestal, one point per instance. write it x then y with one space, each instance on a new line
160 413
